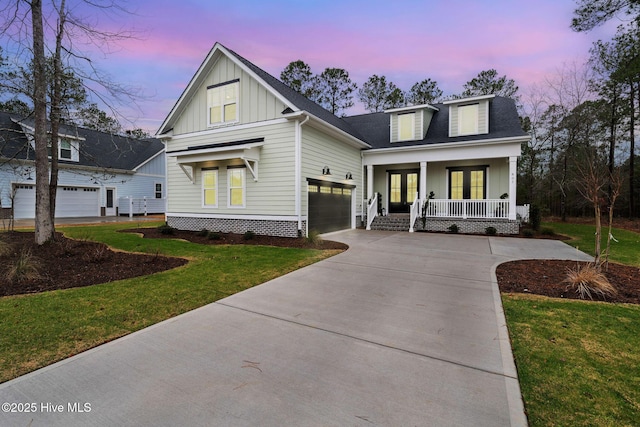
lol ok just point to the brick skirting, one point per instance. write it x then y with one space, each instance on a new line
470 226
278 228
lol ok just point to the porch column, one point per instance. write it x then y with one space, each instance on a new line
513 175
423 180
369 181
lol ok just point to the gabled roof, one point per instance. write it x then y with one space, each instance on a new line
291 98
97 149
503 123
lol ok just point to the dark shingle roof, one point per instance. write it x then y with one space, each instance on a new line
503 123
98 149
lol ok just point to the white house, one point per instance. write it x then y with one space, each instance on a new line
99 174
246 152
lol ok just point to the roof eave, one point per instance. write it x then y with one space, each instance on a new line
505 140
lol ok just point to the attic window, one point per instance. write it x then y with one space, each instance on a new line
222 103
67 150
468 119
406 126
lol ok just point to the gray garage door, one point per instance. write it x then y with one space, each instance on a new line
329 206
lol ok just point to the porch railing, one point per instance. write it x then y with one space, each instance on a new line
487 208
372 210
414 212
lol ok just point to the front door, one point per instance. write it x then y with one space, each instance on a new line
110 206
403 186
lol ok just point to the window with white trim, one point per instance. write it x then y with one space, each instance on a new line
406 126
67 150
210 188
236 182
222 103
468 119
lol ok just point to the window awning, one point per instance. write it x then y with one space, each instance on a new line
248 151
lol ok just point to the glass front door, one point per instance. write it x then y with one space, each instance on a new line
403 186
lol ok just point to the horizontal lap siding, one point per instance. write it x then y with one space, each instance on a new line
320 150
273 194
255 102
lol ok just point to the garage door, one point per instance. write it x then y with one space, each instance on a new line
70 202
329 206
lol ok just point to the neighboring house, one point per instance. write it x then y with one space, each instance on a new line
99 174
247 153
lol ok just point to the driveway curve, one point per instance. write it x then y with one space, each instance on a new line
401 329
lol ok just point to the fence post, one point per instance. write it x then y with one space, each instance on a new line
130 207
145 205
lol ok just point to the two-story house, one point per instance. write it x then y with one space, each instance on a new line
247 153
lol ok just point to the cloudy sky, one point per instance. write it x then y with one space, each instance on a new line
449 41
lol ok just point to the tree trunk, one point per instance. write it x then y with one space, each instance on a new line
632 149
612 140
43 226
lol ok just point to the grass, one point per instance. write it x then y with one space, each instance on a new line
625 251
578 362
40 329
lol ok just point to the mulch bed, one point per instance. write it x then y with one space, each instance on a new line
546 277
67 263
238 239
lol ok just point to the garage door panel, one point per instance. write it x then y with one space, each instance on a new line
329 207
70 202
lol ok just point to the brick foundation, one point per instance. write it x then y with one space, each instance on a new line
470 226
278 228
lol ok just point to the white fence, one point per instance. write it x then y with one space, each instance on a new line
141 206
487 208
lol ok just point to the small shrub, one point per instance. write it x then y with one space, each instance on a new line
313 238
26 267
214 235
453 228
588 281
248 235
527 232
166 229
5 247
547 231
203 233
535 217
491 231
96 254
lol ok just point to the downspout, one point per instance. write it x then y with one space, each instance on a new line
298 172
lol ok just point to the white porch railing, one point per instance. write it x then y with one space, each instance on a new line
487 208
372 210
136 206
414 212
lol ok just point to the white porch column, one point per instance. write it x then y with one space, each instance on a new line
423 180
513 176
369 181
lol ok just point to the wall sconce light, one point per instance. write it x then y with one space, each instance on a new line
326 171
348 176
27 172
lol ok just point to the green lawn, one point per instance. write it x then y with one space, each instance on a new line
37 330
578 362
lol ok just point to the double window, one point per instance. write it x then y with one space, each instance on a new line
236 188
467 183
222 103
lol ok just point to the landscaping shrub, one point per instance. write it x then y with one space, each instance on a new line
214 235
588 281
166 229
491 231
203 233
26 267
453 228
547 231
527 232
5 247
535 217
248 235
313 238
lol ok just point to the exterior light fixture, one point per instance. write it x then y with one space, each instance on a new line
348 176
326 171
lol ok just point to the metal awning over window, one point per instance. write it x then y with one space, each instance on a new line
248 151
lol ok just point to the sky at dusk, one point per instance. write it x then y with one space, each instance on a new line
449 41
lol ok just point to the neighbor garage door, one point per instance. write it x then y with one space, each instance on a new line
329 206
70 202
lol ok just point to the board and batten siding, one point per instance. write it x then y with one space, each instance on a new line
483 117
272 194
255 102
320 150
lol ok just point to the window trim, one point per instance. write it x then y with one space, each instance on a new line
210 104
476 129
466 180
73 150
231 170
215 188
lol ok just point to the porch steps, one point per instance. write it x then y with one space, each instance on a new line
393 222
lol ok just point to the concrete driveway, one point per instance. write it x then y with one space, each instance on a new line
400 330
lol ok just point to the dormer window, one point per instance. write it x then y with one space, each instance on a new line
406 126
67 150
468 119
222 103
